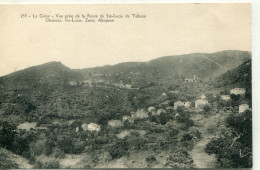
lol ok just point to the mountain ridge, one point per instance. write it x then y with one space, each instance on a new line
162 69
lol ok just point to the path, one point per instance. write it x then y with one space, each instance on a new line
23 163
200 157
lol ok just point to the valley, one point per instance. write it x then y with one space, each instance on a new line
187 111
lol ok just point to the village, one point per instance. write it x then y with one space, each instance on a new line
124 120
167 106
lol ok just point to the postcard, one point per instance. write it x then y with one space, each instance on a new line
125 86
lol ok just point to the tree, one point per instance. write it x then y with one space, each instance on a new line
65 144
207 108
6 134
234 149
150 159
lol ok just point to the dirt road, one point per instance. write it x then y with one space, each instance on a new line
200 157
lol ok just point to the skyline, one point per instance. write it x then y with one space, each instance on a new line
169 29
112 64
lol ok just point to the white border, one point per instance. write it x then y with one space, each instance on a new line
256 82
117 1
255 48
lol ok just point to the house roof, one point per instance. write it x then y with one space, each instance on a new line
179 102
201 100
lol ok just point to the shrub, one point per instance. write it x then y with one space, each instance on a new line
46 163
150 159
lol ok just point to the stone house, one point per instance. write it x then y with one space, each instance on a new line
27 126
151 109
238 91
115 123
164 94
140 113
93 127
169 108
73 83
191 80
200 103
243 108
174 92
187 104
203 96
178 104
128 86
225 97
84 126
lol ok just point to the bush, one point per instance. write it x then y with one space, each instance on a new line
150 159
207 108
119 149
186 137
6 163
174 133
57 153
46 163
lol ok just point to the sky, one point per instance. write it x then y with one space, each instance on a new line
168 29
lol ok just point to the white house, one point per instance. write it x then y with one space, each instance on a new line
203 96
93 127
187 104
151 109
243 108
73 83
177 114
115 123
200 103
140 113
27 126
190 80
238 91
178 104
174 92
225 97
169 108
128 86
164 94
84 126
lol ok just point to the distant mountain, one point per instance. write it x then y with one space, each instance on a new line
52 73
204 65
163 69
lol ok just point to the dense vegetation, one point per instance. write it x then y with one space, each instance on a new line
45 95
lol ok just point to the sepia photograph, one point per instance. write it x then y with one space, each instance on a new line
126 86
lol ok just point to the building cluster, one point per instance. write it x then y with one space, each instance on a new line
237 91
124 86
28 126
91 82
90 127
191 79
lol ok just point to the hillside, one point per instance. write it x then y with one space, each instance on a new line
134 115
203 65
239 76
169 69
9 160
48 74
